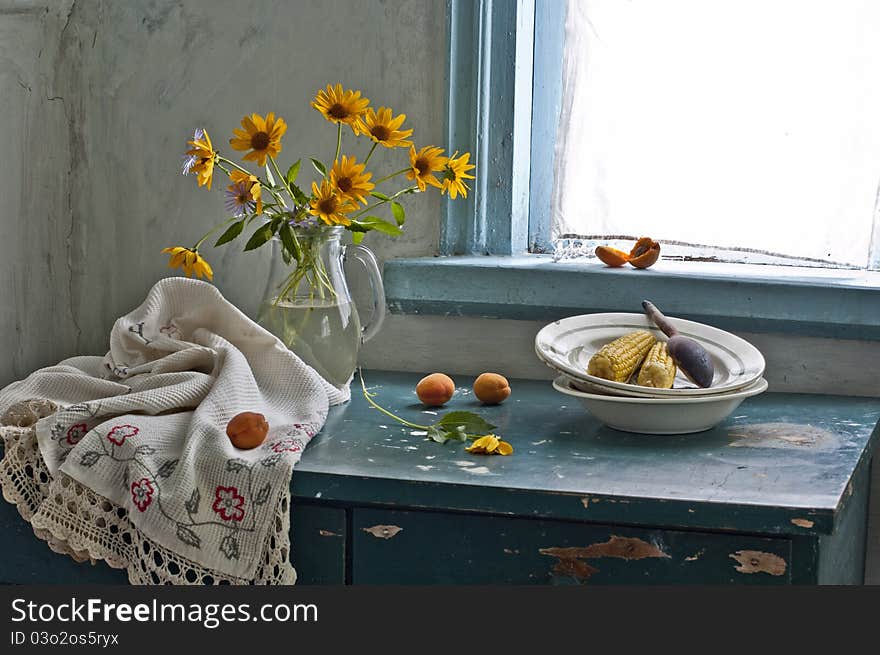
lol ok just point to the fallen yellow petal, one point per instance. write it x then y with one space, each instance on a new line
504 448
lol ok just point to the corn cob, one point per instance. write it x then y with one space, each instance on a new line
658 369
617 360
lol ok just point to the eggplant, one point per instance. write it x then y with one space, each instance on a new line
690 357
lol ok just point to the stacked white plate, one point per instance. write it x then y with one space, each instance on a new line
568 344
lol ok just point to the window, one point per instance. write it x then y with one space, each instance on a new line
751 127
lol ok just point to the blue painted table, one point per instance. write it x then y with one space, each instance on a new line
776 495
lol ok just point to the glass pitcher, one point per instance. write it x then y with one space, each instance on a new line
311 310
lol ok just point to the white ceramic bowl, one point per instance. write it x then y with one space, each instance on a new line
681 415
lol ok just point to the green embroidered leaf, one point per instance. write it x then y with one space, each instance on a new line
167 468
260 236
398 212
235 464
90 458
231 233
471 423
319 167
192 505
229 547
187 536
271 460
263 494
144 450
293 172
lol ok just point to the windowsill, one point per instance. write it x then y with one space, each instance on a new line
834 303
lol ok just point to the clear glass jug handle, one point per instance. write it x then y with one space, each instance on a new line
366 257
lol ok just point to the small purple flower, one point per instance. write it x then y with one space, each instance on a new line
190 160
306 222
239 200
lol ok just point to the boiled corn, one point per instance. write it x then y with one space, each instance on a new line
658 369
617 360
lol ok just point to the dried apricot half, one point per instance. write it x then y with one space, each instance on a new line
645 253
611 256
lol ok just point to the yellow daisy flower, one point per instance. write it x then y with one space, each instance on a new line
329 206
455 173
423 165
262 136
256 191
339 106
382 128
350 180
490 445
202 159
190 261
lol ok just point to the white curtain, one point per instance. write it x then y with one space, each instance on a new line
750 124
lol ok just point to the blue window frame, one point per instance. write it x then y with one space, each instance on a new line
504 99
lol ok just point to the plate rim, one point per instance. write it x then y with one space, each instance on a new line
562 367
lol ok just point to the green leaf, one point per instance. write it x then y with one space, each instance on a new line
298 194
399 214
471 423
269 176
357 237
260 236
376 223
289 241
436 434
380 196
231 233
319 167
292 172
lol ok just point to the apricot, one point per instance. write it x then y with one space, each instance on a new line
247 430
435 389
491 388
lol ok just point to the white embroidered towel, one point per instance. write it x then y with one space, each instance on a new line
145 426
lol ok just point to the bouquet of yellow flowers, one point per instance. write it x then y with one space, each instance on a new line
345 193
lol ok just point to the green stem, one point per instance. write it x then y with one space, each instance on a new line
370 154
388 177
214 229
385 411
338 141
232 163
282 178
382 202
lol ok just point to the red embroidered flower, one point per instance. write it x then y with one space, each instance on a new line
120 433
76 432
288 445
228 503
302 428
142 493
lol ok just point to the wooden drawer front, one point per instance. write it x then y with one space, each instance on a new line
317 533
25 559
402 547
318 543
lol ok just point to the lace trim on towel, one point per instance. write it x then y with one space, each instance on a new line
75 521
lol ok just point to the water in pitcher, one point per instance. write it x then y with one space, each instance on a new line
325 334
